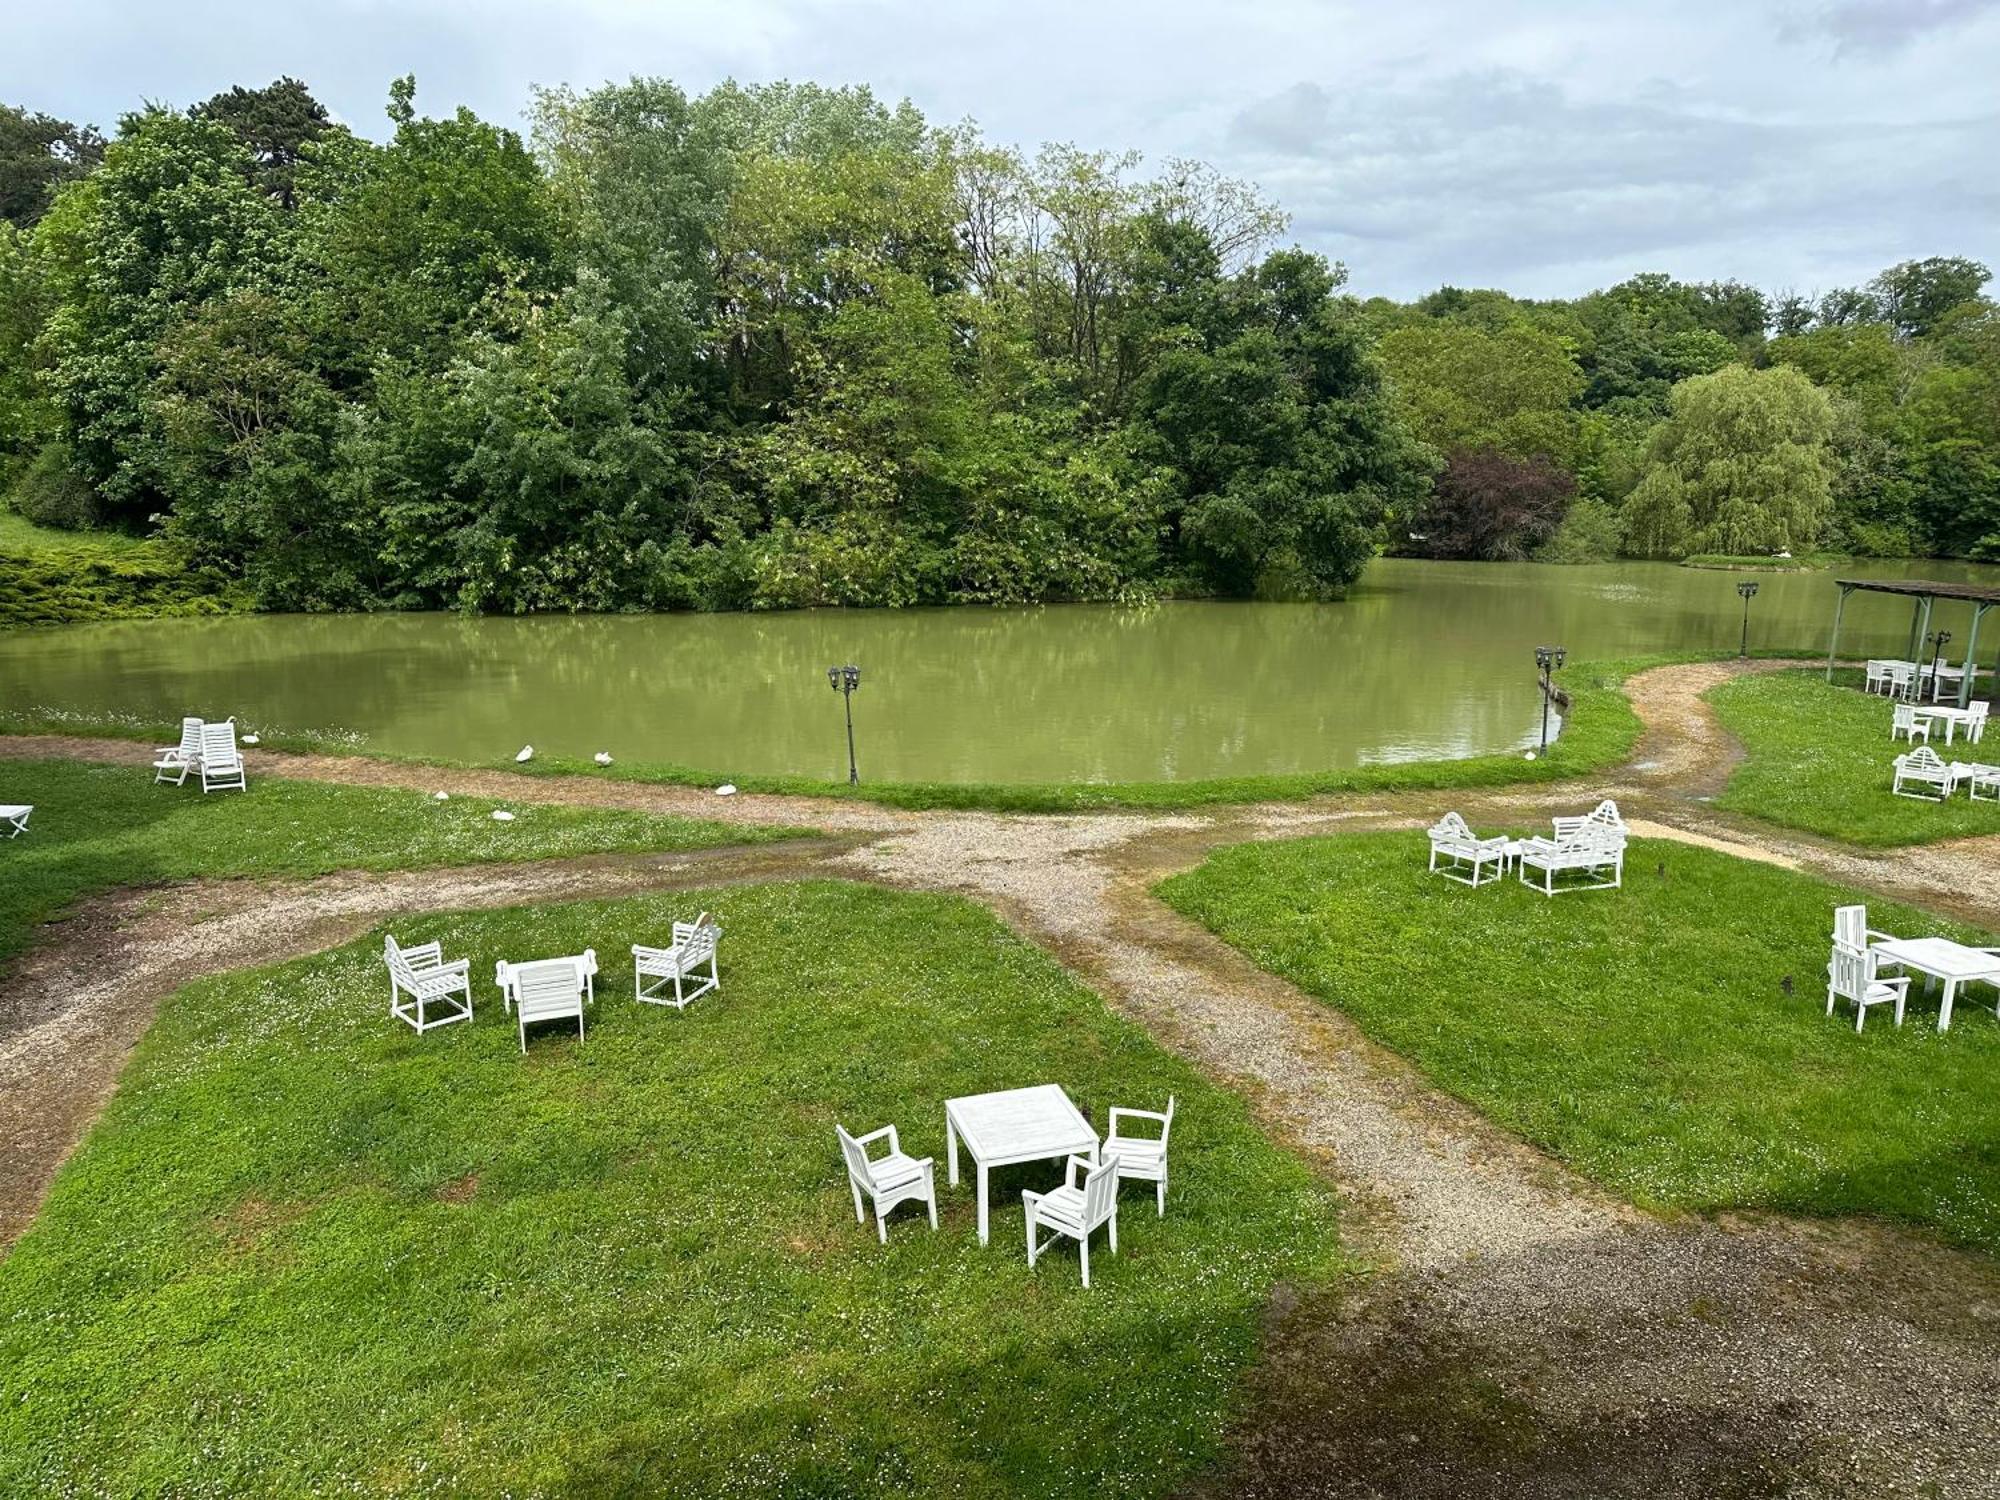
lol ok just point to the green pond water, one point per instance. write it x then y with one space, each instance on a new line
1423 660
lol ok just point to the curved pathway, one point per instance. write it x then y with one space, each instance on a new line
1523 1334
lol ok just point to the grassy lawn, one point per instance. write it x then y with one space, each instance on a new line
1819 759
101 826
307 1250
19 534
1645 1034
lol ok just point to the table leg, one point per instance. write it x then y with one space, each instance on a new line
951 1149
982 1200
1944 1008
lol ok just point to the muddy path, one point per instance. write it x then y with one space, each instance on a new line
1523 1333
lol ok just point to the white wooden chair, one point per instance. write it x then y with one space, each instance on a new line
1921 768
14 817
1975 727
1141 1158
1902 679
1076 1208
547 989
221 762
585 964
1851 975
422 974
177 760
1876 676
1905 724
888 1179
1452 840
694 945
1983 785
1604 817
1591 852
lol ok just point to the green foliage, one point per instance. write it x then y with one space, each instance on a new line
50 493
1739 466
1512 389
38 154
1667 1039
1819 757
275 124
630 1264
86 576
1590 533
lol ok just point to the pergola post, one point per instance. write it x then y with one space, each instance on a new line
1923 634
1833 645
1916 628
1979 609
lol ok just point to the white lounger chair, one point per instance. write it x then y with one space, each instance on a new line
177 760
14 817
1851 975
1452 840
1922 769
888 1179
1141 1158
423 975
694 945
547 989
1076 1208
1904 724
221 762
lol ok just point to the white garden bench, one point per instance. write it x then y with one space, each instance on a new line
888 1179
14 817
221 763
547 989
1141 1158
1076 1208
1922 768
177 760
1851 974
694 945
422 974
1455 842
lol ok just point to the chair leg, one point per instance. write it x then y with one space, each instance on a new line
860 1216
1031 1239
1114 1231
1085 1244
881 1223
1163 1193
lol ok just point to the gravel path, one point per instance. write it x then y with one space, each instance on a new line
1523 1334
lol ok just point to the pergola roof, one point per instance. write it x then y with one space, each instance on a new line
1976 593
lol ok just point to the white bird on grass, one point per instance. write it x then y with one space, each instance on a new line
603 757
441 796
250 739
527 754
501 815
727 789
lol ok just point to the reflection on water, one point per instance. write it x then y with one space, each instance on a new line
1426 659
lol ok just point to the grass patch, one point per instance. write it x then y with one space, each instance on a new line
101 826
1818 757
1804 562
1600 731
19 534
307 1250
1644 1035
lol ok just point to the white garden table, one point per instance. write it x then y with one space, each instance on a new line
1014 1125
1953 719
1941 958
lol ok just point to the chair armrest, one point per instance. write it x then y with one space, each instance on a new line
888 1131
456 966
1871 934
639 951
1071 1168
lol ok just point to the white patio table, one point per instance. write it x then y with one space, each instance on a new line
1941 958
1953 719
1014 1125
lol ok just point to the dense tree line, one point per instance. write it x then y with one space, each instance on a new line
788 345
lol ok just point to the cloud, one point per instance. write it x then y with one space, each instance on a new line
1865 27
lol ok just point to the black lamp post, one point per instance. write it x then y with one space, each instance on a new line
1548 659
1939 640
844 680
1748 590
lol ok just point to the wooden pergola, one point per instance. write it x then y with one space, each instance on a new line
1981 597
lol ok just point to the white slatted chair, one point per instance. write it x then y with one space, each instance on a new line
1141 1158
1983 785
1904 724
177 760
1975 727
1902 679
547 989
888 1179
1921 768
422 974
1877 677
1851 975
1593 852
585 964
694 945
14 817
1453 841
1076 1208
1603 817
221 762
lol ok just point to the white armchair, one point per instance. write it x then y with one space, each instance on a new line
888 1179
1141 1158
547 989
1076 1208
1851 975
1453 841
694 945
1925 775
422 974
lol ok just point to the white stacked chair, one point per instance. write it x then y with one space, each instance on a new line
221 762
1455 842
1905 723
1076 1208
547 989
694 945
177 760
888 1179
14 817
1851 975
422 974
1920 769
1141 1158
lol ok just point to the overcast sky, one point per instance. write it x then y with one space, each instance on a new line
1545 146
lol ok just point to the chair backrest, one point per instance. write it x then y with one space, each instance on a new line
190 738
1978 708
1850 971
1451 828
547 987
696 940
1850 926
1902 673
1923 758
218 743
857 1157
1904 716
399 966
1100 1190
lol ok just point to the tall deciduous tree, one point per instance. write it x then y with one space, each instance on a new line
38 154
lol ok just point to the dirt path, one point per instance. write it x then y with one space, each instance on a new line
1525 1333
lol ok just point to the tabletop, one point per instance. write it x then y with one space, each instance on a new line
1943 711
1020 1122
1941 956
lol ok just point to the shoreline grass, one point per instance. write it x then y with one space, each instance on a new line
306 1250
1667 1039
